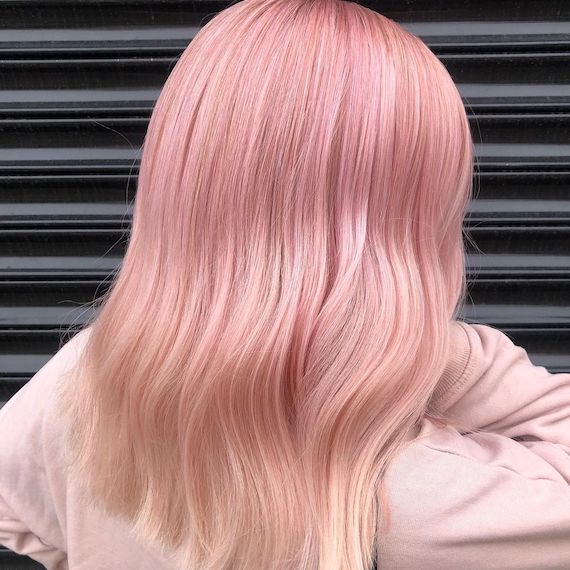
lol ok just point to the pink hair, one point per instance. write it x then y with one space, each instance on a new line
283 310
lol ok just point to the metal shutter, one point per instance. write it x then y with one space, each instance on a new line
77 84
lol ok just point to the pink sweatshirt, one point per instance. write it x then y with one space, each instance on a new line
469 502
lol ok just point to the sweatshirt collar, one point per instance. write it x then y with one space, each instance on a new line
458 358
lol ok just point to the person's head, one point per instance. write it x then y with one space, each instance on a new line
282 313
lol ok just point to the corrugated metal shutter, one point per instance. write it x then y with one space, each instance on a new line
77 84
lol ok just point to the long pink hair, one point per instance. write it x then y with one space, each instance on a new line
283 311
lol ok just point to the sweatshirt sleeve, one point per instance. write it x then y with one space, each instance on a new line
18 537
33 493
478 501
492 385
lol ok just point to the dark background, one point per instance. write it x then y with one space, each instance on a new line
78 80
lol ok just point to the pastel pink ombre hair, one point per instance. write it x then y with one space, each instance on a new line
284 307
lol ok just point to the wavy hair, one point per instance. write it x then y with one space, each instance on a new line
282 313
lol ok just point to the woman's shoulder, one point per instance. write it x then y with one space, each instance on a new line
31 413
33 490
476 350
459 499
43 512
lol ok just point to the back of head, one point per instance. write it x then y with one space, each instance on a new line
282 313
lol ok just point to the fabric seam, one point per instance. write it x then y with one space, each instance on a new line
492 467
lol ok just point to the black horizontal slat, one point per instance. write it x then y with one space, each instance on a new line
484 37
520 197
99 145
521 156
520 303
138 101
102 14
106 200
91 160
67 252
472 10
94 13
49 304
518 100
57 43
35 202
524 98
521 250
523 67
442 37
